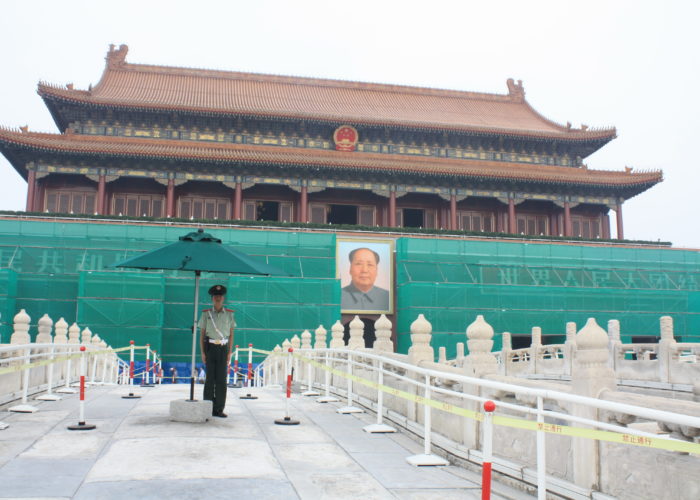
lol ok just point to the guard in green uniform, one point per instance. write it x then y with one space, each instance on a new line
216 339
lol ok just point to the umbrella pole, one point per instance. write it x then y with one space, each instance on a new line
194 332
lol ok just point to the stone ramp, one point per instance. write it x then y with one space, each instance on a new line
136 451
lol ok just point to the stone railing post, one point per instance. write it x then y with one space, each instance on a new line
61 337
286 344
480 361
320 333
44 328
614 343
296 342
667 349
382 329
277 370
421 334
535 346
306 339
61 334
357 331
570 346
337 332
86 336
506 347
74 334
459 355
442 355
20 333
591 375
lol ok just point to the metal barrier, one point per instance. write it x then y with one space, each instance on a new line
344 364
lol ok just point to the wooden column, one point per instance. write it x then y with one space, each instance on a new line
237 201
100 208
392 208
567 220
170 199
553 230
620 230
511 216
303 216
453 212
31 190
606 226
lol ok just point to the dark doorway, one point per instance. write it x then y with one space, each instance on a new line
342 214
412 217
369 334
268 210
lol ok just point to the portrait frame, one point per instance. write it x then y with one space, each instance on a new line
384 248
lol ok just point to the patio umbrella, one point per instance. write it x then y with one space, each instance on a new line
199 252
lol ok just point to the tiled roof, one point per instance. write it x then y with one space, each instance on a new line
231 93
274 155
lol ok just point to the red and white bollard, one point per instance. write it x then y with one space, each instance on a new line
249 376
82 426
250 366
146 379
489 407
131 374
235 367
287 420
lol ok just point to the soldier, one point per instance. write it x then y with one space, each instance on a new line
216 327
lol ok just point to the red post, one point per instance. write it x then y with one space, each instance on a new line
82 426
235 367
131 363
250 364
489 407
148 365
287 420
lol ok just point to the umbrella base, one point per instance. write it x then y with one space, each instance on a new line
286 421
192 411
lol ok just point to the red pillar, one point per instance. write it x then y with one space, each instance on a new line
237 201
100 208
170 198
453 212
553 231
511 216
606 226
31 190
567 220
620 230
392 208
304 202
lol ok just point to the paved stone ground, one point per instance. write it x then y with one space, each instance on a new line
136 451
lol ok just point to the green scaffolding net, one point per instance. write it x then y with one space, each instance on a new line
64 269
520 285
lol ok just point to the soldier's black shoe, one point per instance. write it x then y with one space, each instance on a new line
219 414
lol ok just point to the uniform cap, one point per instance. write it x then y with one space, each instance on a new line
217 290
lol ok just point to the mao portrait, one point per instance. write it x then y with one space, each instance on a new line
365 269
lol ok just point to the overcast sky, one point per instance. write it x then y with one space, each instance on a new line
629 64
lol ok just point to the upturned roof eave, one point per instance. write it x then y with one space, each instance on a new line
77 97
29 142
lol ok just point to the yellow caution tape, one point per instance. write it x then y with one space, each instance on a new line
58 359
517 423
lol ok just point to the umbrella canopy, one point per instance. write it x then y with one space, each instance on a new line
200 251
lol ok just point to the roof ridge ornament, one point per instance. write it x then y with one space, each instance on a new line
516 91
116 58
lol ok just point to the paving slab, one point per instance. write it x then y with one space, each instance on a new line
185 458
137 451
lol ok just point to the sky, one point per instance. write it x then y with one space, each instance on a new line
629 64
